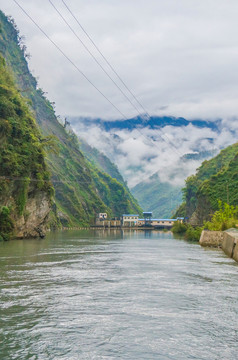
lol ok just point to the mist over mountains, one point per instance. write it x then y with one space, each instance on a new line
171 147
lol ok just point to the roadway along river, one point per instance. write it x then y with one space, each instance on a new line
97 295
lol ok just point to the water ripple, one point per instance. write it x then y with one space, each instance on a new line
84 295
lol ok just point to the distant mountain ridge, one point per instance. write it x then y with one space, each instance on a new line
153 122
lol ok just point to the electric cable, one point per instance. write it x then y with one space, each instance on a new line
103 56
71 61
112 68
82 73
95 59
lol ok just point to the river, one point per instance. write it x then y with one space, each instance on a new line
87 294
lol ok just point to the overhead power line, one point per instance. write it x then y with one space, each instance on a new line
114 71
66 56
103 56
95 59
82 73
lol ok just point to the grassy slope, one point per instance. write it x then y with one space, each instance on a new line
75 188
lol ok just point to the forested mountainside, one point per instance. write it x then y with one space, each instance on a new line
81 189
101 161
216 179
104 165
160 198
25 188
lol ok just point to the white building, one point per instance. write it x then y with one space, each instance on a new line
130 220
102 216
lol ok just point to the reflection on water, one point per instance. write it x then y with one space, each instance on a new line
112 294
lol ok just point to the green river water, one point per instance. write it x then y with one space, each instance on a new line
116 295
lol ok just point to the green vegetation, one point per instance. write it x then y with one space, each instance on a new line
81 190
22 162
189 232
160 198
224 218
6 224
111 186
216 179
114 194
193 233
179 228
101 161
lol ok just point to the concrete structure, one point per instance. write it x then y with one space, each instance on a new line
147 218
132 220
129 220
115 223
102 216
229 244
211 238
159 223
227 240
108 223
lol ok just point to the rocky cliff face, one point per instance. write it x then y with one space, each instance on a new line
25 188
33 223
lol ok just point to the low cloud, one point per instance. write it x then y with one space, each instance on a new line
141 152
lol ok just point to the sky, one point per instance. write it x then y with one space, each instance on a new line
179 58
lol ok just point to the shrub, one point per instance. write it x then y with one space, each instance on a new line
179 228
224 218
193 234
6 224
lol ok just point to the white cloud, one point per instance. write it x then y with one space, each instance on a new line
141 153
179 58
182 55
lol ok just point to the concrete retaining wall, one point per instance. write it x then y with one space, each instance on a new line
227 240
211 238
235 253
228 244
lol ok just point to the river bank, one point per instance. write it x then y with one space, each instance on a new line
226 240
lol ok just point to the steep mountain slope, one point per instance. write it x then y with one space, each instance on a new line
25 188
117 187
76 194
216 179
160 198
101 161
